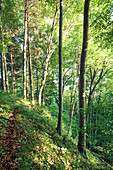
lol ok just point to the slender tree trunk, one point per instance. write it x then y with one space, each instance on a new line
12 67
64 83
27 78
12 71
90 121
74 92
30 64
72 106
14 79
43 99
5 65
91 91
1 51
71 112
82 116
24 51
60 69
2 83
2 57
37 80
97 114
48 56
2 73
6 76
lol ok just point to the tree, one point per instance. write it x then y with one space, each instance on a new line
12 64
24 51
30 63
2 84
82 118
6 75
102 18
60 69
8 24
48 56
5 82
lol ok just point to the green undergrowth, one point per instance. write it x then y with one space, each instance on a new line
39 145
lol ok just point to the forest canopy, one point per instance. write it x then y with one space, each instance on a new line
59 55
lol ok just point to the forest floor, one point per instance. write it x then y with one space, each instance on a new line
28 140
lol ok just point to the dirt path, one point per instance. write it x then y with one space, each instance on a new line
9 144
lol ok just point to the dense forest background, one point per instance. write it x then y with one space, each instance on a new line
44 61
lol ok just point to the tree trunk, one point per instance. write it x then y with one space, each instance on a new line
14 79
27 78
43 97
6 75
24 51
12 71
37 80
90 102
30 64
60 69
71 112
82 117
2 56
12 67
48 56
73 105
2 73
2 67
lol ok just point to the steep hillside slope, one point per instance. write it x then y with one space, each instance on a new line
29 139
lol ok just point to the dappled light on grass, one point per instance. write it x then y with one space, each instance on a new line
29 139
51 153
25 102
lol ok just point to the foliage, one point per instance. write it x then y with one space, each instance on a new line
36 143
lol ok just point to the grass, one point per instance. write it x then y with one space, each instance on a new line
37 144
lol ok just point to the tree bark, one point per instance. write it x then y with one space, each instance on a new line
90 103
64 83
82 117
2 83
73 104
71 112
48 56
12 71
2 73
14 82
12 67
30 64
27 77
2 57
60 69
24 51
37 79
6 75
43 97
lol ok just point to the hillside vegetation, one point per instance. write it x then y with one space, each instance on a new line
29 139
